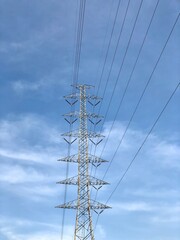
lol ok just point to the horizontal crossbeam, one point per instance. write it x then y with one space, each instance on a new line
77 96
87 115
94 205
74 158
91 181
77 134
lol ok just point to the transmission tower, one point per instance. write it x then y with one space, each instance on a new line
84 205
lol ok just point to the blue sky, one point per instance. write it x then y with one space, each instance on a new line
36 64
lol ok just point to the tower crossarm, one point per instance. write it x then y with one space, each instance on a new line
77 134
91 159
94 205
97 205
92 181
68 205
87 115
77 96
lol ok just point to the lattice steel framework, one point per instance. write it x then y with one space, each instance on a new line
83 204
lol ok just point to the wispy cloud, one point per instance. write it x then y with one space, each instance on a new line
29 137
154 193
29 150
47 82
164 152
132 206
11 229
18 174
168 152
18 133
158 212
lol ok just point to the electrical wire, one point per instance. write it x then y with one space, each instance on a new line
79 40
74 82
144 90
102 50
116 48
65 192
122 63
140 99
109 44
117 45
130 77
124 56
142 144
104 41
105 60
145 139
134 25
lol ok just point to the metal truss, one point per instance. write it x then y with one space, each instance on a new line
83 205
91 181
95 161
76 96
77 114
77 134
94 205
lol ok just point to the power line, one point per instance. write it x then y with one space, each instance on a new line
74 43
117 79
122 63
145 139
79 37
127 47
65 191
117 44
130 77
109 43
141 146
74 81
79 40
107 52
105 37
77 43
145 88
139 8
172 29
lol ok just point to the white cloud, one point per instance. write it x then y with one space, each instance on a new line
165 219
154 193
167 213
22 86
15 229
132 207
158 212
162 151
12 228
26 125
18 133
17 174
29 182
30 137
25 142
44 235
24 155
168 152
100 232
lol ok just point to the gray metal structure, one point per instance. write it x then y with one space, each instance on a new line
83 205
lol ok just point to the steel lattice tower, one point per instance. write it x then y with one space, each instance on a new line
83 204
